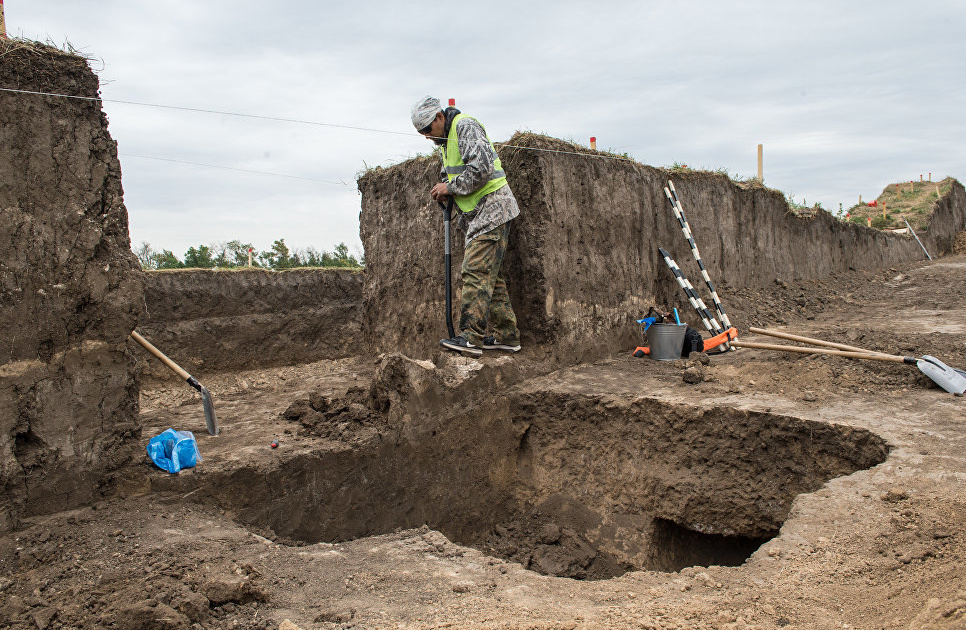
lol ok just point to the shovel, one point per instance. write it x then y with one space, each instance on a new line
950 379
210 420
840 346
447 261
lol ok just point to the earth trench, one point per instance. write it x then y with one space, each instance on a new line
569 485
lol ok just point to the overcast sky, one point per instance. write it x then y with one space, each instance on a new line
845 96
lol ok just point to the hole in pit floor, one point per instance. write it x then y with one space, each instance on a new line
567 485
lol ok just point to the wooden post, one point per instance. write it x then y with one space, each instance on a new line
249 256
883 210
3 24
593 142
868 221
937 191
860 199
930 175
761 170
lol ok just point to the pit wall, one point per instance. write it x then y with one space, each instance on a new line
610 469
583 259
210 320
70 290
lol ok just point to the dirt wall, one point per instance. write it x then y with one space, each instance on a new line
227 320
583 260
70 289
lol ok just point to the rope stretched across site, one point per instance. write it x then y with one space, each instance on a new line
231 168
279 119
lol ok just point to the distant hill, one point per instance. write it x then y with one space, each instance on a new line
910 201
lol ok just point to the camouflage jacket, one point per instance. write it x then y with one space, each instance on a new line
494 209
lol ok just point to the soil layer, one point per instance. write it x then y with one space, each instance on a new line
881 547
583 260
211 320
70 289
570 485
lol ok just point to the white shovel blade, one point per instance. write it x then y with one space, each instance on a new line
944 376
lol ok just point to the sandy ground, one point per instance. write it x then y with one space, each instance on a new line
880 548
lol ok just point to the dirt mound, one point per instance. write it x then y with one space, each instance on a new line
598 449
960 246
583 259
70 289
212 320
911 201
767 490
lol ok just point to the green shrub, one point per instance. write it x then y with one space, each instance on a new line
881 222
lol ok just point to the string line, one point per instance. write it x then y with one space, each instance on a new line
279 119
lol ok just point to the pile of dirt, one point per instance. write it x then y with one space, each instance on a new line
583 260
535 490
910 201
882 547
960 246
70 289
213 320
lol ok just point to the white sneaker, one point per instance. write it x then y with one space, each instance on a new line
461 345
490 343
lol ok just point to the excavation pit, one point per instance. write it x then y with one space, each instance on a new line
572 485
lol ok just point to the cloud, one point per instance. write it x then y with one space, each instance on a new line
845 97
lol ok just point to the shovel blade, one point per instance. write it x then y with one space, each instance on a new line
210 421
943 375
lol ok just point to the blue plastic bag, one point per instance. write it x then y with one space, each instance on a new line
173 450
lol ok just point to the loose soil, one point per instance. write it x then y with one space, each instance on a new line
777 491
538 490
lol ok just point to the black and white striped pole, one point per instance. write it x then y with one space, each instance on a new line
707 319
672 196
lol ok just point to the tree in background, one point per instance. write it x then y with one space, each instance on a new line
234 254
150 259
278 257
144 254
342 258
167 260
199 258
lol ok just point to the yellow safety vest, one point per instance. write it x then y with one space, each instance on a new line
453 165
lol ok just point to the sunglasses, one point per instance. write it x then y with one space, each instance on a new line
428 129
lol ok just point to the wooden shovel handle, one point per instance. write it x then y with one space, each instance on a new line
160 355
814 342
839 353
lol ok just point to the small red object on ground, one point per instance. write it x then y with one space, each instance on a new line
275 444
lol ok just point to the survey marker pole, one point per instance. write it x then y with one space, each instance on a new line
907 225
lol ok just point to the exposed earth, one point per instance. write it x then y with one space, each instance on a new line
538 490
881 547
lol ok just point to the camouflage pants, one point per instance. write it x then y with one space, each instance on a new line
485 300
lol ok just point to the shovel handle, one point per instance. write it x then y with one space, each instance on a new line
839 353
814 342
161 356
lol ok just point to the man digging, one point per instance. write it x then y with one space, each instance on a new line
474 178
